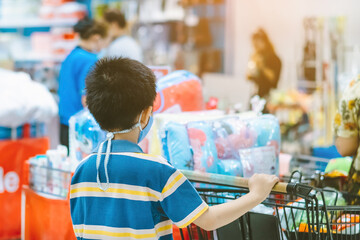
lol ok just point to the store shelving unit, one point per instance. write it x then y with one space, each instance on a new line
36 57
36 23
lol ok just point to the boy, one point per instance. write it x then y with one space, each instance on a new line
131 195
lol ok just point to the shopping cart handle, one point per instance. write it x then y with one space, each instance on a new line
231 181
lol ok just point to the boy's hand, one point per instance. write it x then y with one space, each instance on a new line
260 185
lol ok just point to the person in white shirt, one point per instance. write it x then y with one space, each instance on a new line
122 44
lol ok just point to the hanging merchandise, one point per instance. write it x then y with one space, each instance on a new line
13 155
179 91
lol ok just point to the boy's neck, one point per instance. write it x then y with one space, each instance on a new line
131 136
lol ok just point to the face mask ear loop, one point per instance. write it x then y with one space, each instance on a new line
110 136
139 123
107 156
98 159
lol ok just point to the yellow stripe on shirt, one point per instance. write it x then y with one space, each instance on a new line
164 228
113 190
120 233
195 217
113 234
172 183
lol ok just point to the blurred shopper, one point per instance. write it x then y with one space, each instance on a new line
264 66
122 45
74 70
347 128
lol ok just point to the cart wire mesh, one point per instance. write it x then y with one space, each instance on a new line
48 180
298 214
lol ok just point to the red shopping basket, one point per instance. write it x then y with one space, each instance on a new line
46 213
46 218
13 154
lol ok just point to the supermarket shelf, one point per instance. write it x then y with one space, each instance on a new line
36 22
36 57
159 20
307 84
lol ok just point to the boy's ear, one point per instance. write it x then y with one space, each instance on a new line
145 116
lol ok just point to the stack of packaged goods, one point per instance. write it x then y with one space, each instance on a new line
205 141
28 102
51 173
230 145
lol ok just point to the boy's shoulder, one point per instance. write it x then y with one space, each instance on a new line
146 156
134 168
150 158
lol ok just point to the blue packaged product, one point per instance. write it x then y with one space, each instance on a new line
176 146
202 142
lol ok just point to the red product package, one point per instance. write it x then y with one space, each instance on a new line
179 91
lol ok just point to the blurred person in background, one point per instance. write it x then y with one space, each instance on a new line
74 70
122 44
264 66
347 129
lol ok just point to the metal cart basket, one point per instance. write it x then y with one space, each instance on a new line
294 212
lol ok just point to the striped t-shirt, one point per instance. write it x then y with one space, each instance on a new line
146 195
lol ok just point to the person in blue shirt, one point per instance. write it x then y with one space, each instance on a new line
118 192
74 70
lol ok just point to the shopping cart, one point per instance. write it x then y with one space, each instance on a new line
48 180
310 170
45 203
294 212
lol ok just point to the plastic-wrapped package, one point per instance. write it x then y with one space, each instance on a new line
26 100
226 141
263 156
160 120
231 145
176 137
84 134
202 143
179 91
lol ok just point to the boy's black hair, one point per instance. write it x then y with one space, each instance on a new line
87 27
115 16
118 90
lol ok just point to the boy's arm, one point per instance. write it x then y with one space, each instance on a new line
260 186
